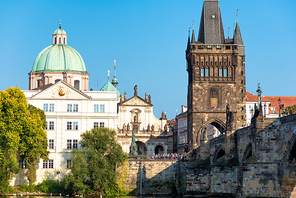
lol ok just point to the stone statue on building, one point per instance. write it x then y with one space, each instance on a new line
124 128
165 127
146 96
204 134
148 128
149 99
121 98
125 96
134 147
259 91
128 128
136 90
152 128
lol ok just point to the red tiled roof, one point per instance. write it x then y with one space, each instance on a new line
285 100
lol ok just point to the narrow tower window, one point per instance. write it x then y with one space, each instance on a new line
220 73
207 72
76 84
55 40
202 72
225 72
64 40
60 41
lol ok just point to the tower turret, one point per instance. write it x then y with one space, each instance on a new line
114 80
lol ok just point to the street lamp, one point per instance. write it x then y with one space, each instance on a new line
279 107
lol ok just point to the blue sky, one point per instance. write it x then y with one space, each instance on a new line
148 40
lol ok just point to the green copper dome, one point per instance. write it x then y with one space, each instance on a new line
60 31
59 58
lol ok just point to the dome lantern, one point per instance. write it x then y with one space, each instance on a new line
59 36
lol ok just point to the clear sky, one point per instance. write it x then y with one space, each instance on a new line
148 39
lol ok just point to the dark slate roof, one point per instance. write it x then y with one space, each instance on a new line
43 87
237 37
211 27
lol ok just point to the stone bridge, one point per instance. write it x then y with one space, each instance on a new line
256 161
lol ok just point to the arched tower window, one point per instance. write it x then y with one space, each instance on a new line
60 40
55 40
64 40
76 84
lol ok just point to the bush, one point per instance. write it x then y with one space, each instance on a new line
50 186
28 188
7 189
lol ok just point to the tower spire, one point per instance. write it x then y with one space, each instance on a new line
193 36
188 43
114 80
211 26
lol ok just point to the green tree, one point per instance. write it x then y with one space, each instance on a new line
21 133
13 114
93 167
33 143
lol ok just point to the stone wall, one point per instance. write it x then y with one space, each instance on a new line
155 176
260 160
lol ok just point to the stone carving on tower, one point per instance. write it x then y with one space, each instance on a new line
216 75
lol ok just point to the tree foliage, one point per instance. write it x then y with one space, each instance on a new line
93 167
21 132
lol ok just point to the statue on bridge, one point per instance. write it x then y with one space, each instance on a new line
259 91
134 147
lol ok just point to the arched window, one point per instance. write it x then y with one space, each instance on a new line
55 40
220 72
76 84
64 40
60 41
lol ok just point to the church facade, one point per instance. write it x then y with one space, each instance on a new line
58 84
216 76
136 114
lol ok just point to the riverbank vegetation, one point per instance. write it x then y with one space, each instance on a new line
22 135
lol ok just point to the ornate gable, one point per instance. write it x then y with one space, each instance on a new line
135 101
61 90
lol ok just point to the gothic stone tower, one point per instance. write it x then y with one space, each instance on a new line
216 75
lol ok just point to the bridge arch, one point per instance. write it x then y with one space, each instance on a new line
142 148
216 122
219 152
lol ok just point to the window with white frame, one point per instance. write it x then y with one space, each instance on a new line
69 107
75 107
72 107
51 144
72 144
51 107
96 124
69 144
75 125
50 125
48 164
96 108
102 108
45 107
69 125
75 144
